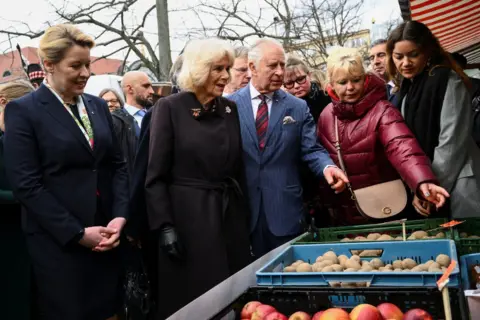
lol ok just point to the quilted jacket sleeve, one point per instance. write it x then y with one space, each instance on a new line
402 149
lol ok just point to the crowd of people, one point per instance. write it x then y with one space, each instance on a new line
250 146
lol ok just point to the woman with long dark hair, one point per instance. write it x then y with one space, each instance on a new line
436 104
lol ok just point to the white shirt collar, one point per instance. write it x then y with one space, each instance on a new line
131 109
391 84
254 94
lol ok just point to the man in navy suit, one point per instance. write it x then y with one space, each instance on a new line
278 132
378 60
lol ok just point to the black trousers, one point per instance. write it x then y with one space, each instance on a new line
263 240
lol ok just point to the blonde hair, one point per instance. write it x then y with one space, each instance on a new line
198 58
59 38
347 59
15 89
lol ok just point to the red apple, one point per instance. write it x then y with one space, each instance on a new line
365 312
417 314
317 315
262 311
334 314
300 315
276 316
249 309
389 311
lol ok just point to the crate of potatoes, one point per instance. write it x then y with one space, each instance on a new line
406 264
426 229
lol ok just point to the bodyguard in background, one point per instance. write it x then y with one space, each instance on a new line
66 168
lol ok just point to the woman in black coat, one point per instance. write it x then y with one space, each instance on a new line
67 170
194 198
15 271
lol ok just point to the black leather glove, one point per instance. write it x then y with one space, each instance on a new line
170 243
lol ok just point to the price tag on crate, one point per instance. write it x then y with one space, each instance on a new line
451 224
443 281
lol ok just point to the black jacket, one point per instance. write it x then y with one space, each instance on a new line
124 126
316 100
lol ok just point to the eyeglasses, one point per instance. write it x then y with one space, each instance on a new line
290 84
241 70
112 101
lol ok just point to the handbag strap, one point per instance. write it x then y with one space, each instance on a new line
340 159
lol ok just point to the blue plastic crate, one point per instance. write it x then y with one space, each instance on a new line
466 262
420 251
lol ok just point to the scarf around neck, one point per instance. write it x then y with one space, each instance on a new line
423 105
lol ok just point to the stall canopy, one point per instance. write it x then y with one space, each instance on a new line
456 23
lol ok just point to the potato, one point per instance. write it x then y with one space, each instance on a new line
334 284
384 237
327 263
433 267
366 268
434 270
360 238
397 264
406 270
351 270
364 263
333 260
355 257
369 253
342 256
440 235
444 269
330 254
357 252
319 259
389 266
384 269
428 263
463 235
328 269
420 234
348 285
423 267
417 269
290 269
304 267
474 237
352 264
408 263
297 263
376 263
346 240
399 238
342 260
373 236
443 260
398 270
361 284
337 268
412 237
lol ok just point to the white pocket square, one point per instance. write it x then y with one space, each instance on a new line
288 120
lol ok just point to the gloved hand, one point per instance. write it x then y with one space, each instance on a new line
170 243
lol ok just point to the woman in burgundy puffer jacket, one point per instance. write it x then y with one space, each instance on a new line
376 144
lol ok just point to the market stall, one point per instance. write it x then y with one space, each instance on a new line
398 268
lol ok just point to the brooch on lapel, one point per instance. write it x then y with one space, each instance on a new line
288 120
196 112
228 110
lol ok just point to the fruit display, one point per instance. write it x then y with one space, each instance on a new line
465 235
417 235
330 262
384 311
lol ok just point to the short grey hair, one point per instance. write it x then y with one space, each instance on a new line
378 42
240 52
256 51
198 57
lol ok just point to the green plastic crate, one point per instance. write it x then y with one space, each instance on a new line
338 233
465 245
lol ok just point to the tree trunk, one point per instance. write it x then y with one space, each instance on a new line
165 57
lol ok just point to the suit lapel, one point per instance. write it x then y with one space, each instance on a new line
54 107
277 112
246 114
92 113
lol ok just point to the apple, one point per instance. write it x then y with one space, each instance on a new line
417 314
300 315
317 315
365 312
334 314
276 316
249 309
262 311
389 311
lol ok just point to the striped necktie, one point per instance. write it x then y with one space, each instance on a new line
261 122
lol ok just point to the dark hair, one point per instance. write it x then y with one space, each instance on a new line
460 59
377 42
107 90
427 44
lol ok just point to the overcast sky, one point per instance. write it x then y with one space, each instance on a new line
36 13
